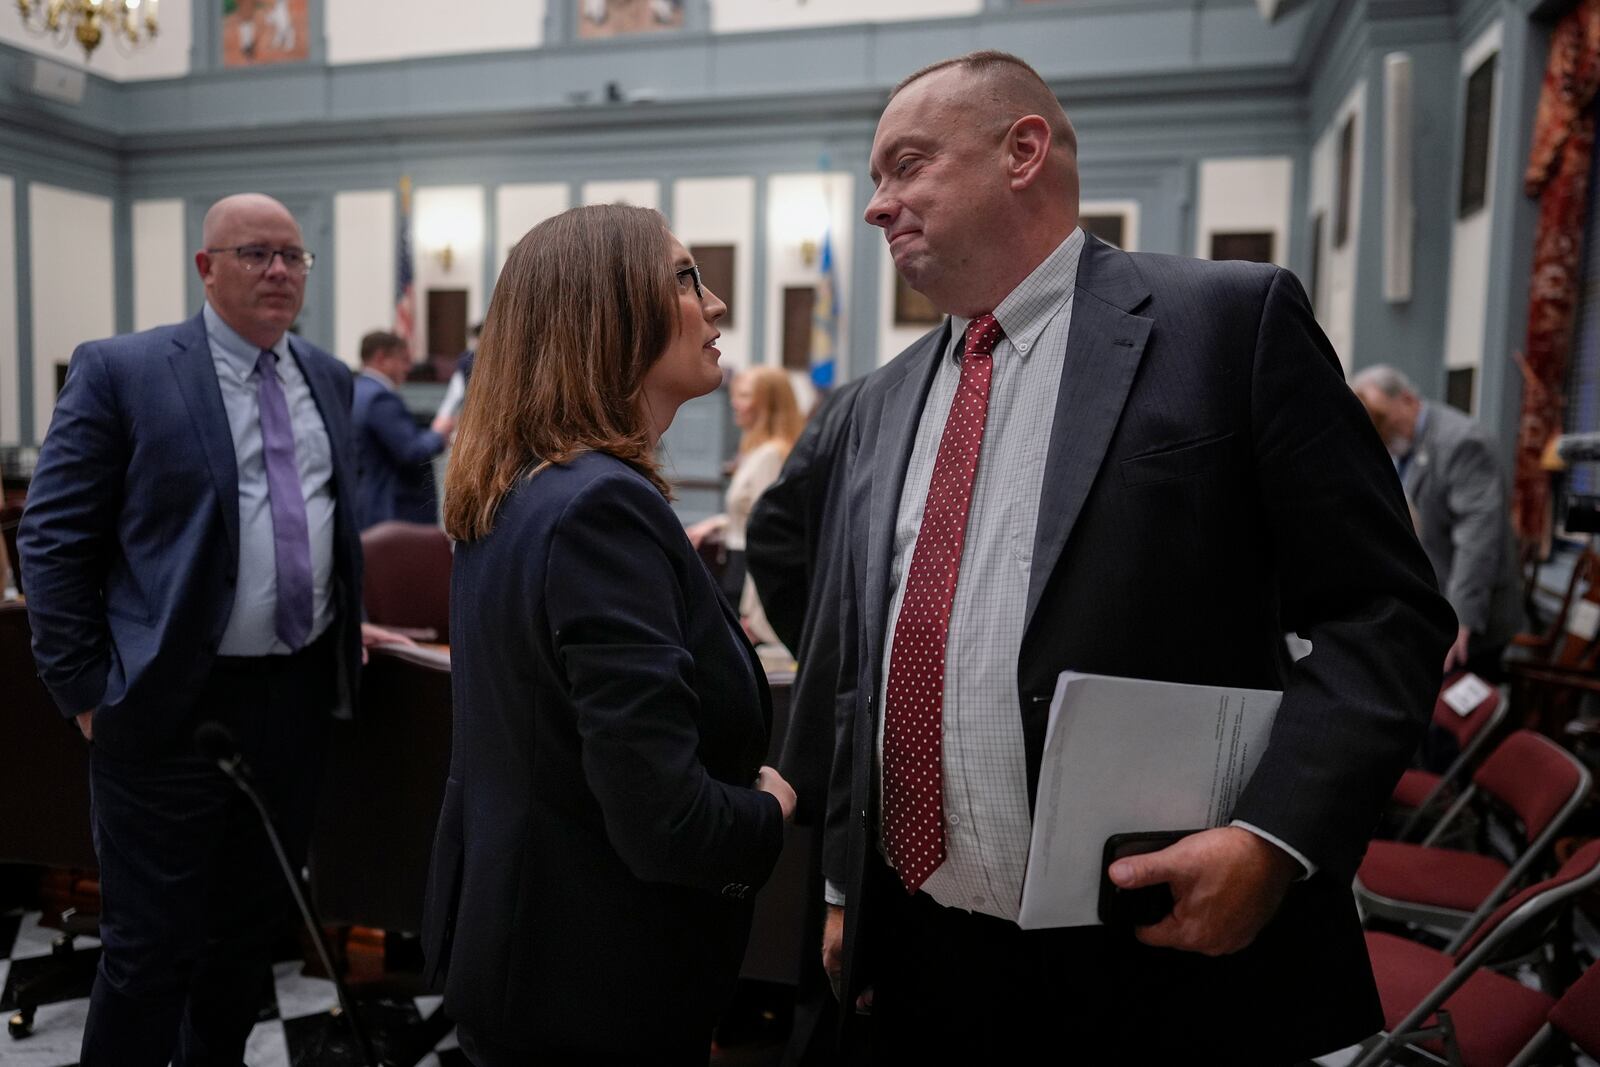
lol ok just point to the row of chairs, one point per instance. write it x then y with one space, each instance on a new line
1456 1001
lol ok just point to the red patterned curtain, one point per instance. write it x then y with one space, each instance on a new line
1558 175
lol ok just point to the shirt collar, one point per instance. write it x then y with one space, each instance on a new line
238 353
1028 308
381 379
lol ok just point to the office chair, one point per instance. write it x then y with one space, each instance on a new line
406 582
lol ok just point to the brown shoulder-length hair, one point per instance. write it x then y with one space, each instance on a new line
584 305
777 412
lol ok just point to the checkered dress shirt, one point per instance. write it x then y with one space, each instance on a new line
985 789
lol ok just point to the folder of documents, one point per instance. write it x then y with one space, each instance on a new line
1125 755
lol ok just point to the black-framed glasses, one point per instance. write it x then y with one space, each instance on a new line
692 274
255 258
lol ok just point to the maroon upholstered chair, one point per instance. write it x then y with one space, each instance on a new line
1541 783
1420 790
406 587
1575 1017
1453 1005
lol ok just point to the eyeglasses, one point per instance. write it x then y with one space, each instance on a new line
259 258
692 274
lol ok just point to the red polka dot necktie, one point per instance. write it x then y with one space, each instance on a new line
913 729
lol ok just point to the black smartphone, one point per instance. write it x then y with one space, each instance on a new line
1146 905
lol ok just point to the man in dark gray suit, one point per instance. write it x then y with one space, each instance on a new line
1453 481
1121 464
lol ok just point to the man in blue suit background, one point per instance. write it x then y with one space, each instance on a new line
189 555
394 454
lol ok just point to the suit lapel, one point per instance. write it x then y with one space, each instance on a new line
190 359
1105 343
897 434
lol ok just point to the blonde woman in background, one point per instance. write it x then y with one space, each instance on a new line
765 410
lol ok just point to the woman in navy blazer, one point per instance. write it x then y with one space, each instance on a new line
607 820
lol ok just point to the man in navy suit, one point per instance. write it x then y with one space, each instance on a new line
189 557
394 454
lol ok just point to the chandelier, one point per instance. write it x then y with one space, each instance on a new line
129 22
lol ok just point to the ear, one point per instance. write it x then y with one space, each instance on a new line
1026 147
202 264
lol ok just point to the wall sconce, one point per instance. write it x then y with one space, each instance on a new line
801 222
449 226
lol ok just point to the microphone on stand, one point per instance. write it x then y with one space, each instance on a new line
216 743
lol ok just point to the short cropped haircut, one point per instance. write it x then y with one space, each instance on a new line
1012 87
378 342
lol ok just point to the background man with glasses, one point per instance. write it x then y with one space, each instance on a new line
189 556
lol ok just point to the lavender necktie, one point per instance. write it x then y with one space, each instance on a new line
291 543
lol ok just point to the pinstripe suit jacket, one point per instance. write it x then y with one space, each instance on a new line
1210 484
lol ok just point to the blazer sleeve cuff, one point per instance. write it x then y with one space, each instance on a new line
81 694
1294 853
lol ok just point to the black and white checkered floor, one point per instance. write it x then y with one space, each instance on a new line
295 1029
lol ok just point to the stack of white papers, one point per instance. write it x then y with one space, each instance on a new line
1124 755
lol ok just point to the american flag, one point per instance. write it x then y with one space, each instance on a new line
405 300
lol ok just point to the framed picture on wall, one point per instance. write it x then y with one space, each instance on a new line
799 303
1341 203
1458 383
614 18
911 308
1256 247
1475 134
716 271
1116 222
1110 228
1314 283
258 33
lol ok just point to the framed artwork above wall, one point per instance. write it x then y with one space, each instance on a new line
1109 228
258 33
911 308
1116 222
612 18
1256 247
1341 204
716 264
799 303
1458 388
1314 283
1477 131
